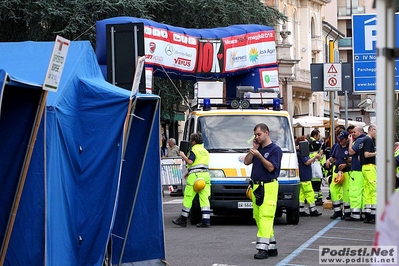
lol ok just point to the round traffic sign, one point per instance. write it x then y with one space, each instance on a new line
332 81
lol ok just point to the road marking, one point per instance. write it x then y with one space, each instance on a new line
305 245
351 228
175 201
351 239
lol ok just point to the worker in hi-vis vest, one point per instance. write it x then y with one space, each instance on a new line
198 181
356 185
339 187
367 154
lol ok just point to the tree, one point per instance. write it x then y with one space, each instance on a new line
42 20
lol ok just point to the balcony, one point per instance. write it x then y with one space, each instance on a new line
345 42
317 44
302 75
345 11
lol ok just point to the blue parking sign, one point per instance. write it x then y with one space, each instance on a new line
364 39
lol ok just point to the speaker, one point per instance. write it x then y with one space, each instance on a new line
316 77
184 146
122 55
304 148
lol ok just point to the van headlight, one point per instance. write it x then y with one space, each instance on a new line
217 174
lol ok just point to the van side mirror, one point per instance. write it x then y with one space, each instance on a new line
184 146
304 148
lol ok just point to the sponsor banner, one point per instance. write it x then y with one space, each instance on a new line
169 49
249 50
190 54
210 56
269 77
364 255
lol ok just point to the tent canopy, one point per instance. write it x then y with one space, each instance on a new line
80 190
308 122
318 122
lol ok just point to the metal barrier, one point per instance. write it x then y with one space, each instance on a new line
172 171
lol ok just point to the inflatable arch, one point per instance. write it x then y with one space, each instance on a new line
242 54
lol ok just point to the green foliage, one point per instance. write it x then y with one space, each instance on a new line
217 13
42 20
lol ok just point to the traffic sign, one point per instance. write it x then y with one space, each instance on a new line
332 77
364 42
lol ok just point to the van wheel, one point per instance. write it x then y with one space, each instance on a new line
195 212
292 216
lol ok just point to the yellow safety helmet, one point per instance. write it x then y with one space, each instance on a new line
199 184
339 179
249 192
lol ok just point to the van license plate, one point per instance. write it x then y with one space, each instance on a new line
245 205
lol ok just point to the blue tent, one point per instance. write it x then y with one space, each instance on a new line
85 196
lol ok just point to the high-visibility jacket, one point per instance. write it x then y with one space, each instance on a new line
201 162
397 168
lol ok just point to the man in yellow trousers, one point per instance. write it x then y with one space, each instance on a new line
265 157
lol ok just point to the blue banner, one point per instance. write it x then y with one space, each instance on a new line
364 39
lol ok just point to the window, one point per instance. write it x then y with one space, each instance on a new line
235 132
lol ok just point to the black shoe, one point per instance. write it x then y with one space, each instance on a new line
346 216
318 203
315 213
202 225
336 215
351 219
272 252
180 221
261 255
304 214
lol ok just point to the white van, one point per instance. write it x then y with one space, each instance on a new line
227 135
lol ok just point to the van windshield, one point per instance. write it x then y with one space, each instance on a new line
234 133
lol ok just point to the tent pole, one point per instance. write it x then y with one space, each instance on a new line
126 130
127 125
22 177
385 97
138 185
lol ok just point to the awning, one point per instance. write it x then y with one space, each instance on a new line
177 117
342 123
316 122
309 122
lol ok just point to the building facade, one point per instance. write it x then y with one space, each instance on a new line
342 18
301 41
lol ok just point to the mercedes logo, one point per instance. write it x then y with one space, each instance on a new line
169 49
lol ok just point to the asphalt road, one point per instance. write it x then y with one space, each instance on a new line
231 240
